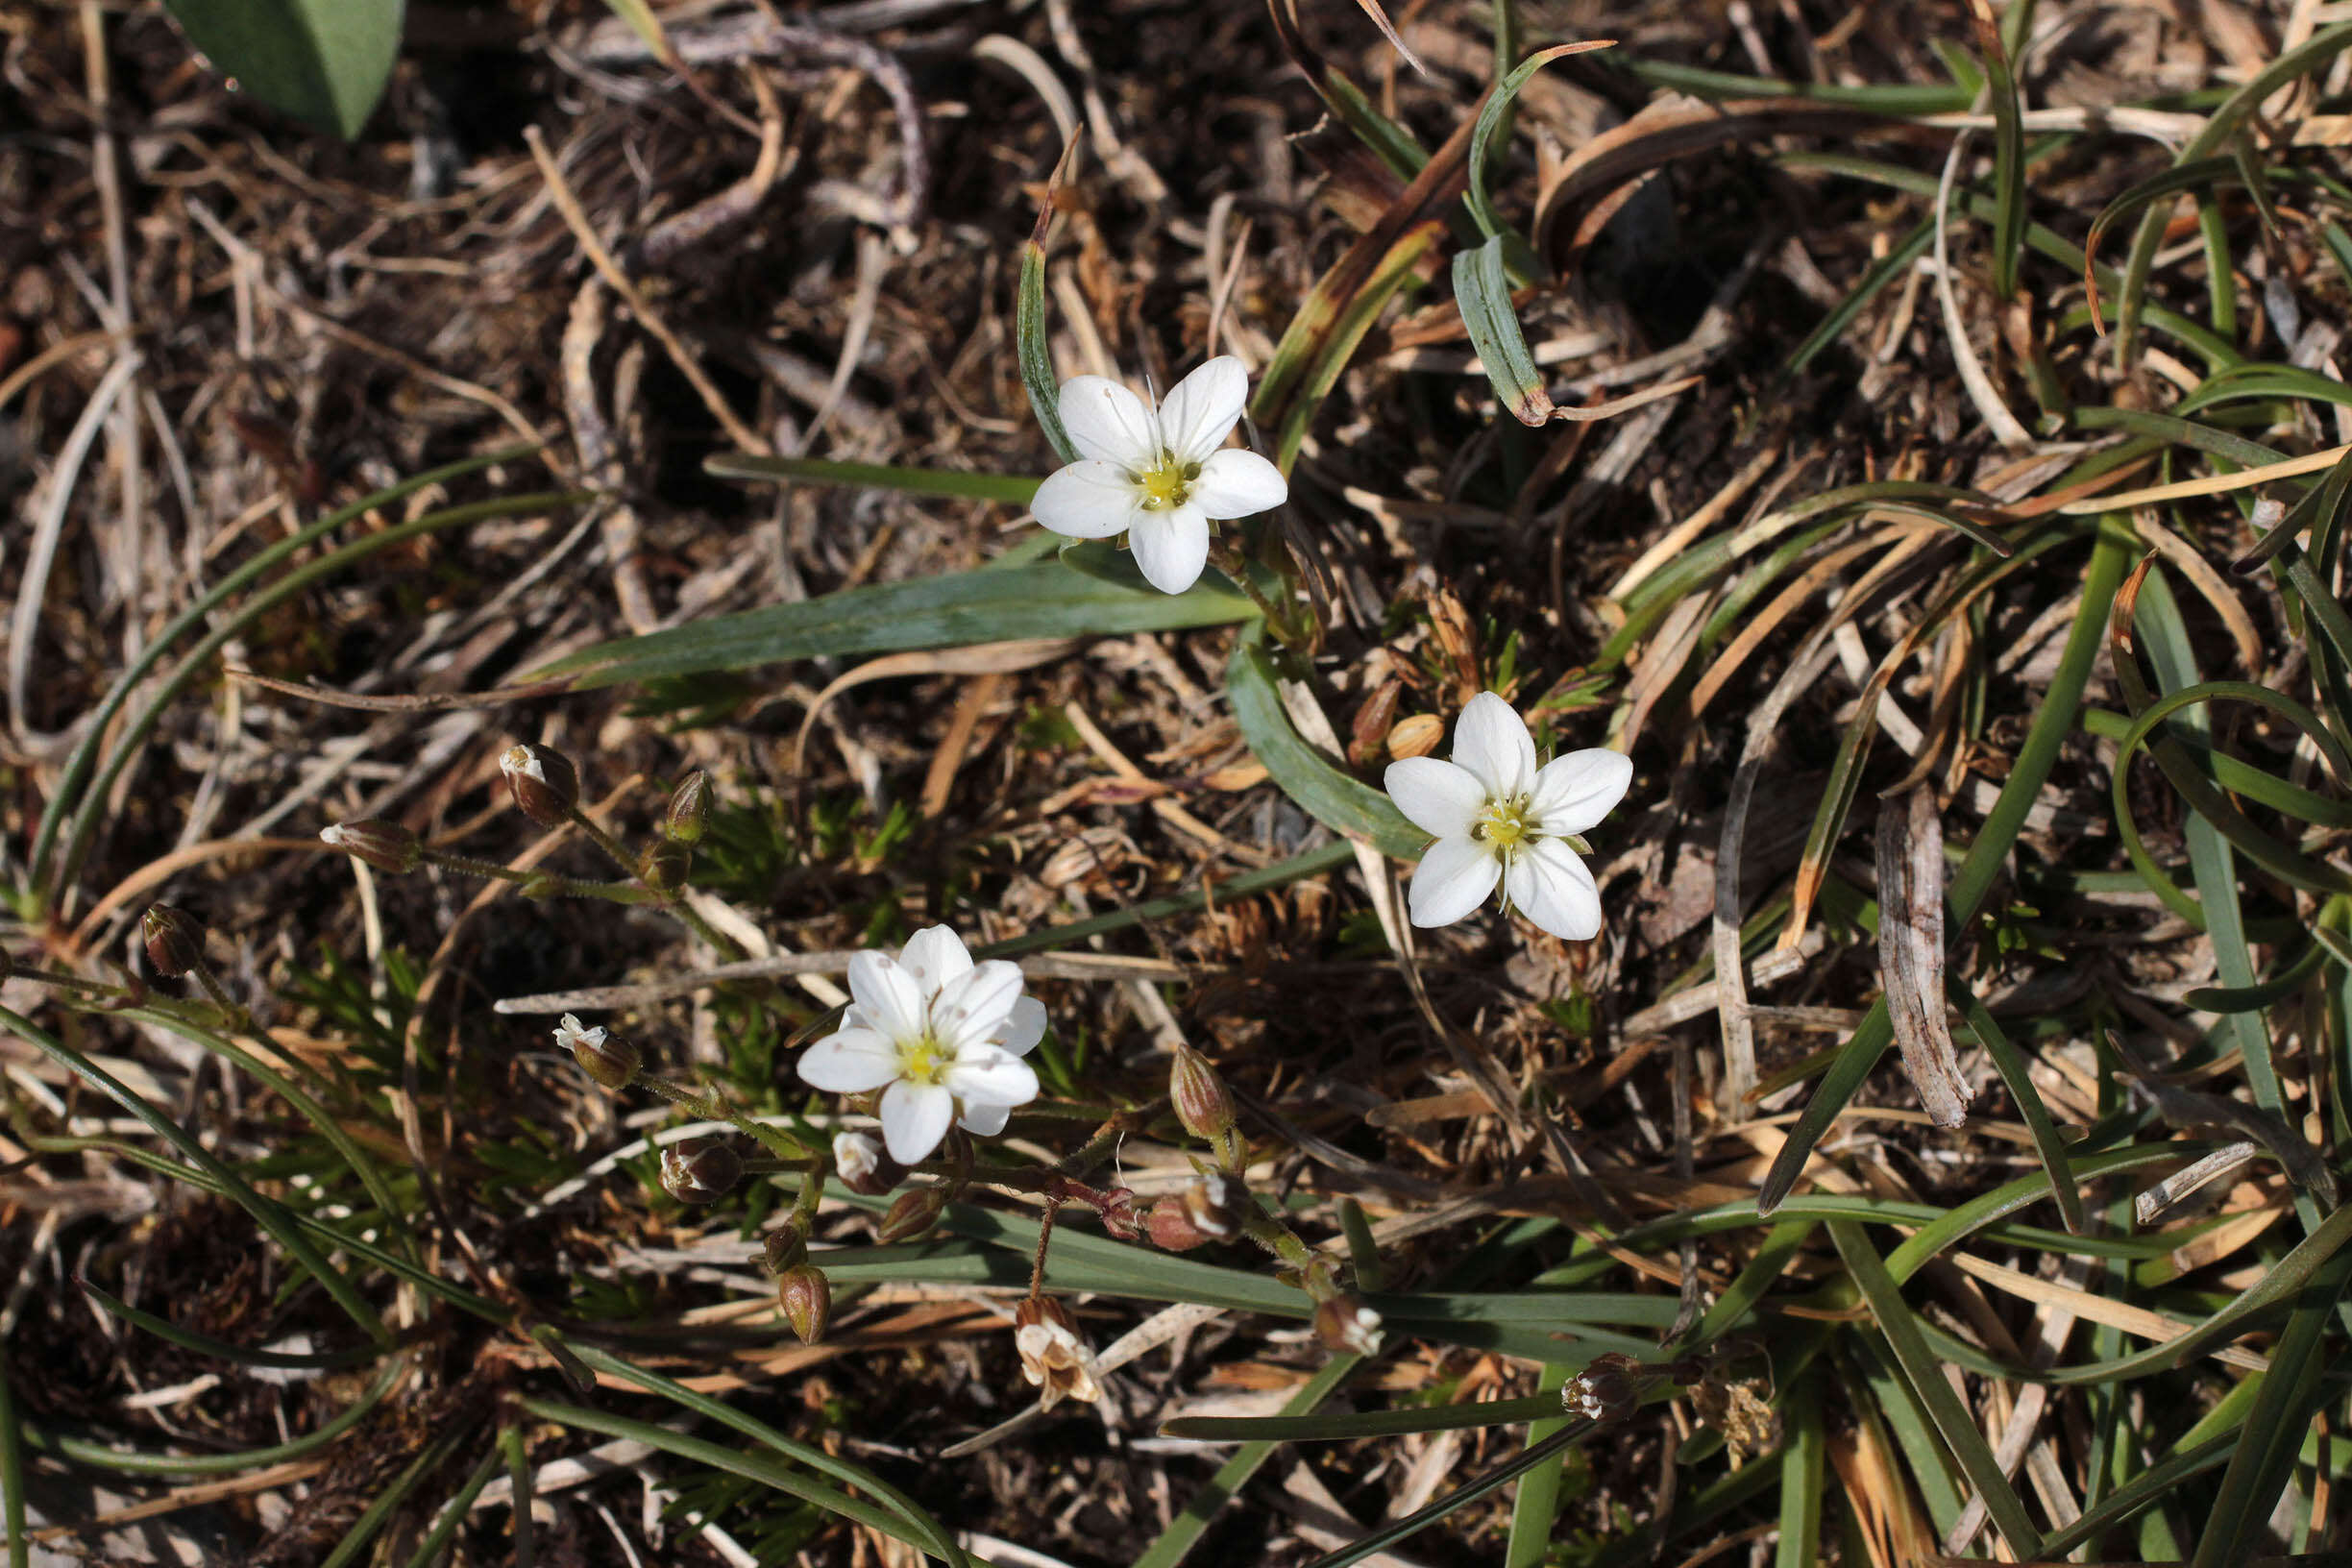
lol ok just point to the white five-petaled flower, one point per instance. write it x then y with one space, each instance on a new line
941 1037
1161 476
1500 818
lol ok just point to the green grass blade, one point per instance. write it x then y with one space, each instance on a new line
12 1476
324 62
1343 804
2049 1146
957 610
1172 1544
1922 1370
517 1449
1317 1429
139 1463
1037 366
2008 156
1012 489
1482 290
1535 1507
1887 269
204 1344
1804 1475
2152 1485
1893 100
1490 119
1462 1497
362 1532
436 1543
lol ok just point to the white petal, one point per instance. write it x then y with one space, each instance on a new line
1552 888
1108 421
992 1078
1088 499
1237 484
1438 798
886 996
984 1120
850 1062
1170 547
934 956
1452 879
1201 410
973 1006
914 1118
1492 741
1023 1029
1577 789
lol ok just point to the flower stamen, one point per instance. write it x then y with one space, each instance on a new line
1166 483
1506 825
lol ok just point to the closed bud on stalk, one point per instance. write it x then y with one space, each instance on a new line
786 1245
1217 1204
689 809
1170 1226
1052 1356
605 1056
664 864
699 1169
807 1301
1345 1325
175 940
913 1213
1204 1104
1609 1389
864 1166
544 783
388 846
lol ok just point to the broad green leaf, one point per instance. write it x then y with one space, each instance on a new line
320 61
1341 804
958 611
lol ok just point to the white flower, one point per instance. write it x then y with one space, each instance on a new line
1158 476
1498 818
941 1037
857 1157
571 1034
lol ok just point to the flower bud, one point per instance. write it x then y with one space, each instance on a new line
388 846
786 1245
544 783
689 809
807 1301
1052 1356
664 864
1606 1390
864 1166
699 1170
1344 1324
1215 1204
1204 1104
913 1213
605 1056
1170 1226
175 940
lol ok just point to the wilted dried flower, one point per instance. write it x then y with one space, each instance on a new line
1217 1204
1052 1356
544 783
864 1166
699 1169
1609 1389
175 940
1345 1325
807 1300
388 846
1747 1422
608 1059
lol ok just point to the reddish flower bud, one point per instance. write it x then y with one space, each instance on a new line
1345 1325
865 1167
786 1245
689 809
807 1301
388 846
1205 1106
544 783
913 1213
1609 1389
608 1059
175 940
1170 1226
699 1170
664 864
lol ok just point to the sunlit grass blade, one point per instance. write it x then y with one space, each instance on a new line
204 1344
1492 116
1895 101
1387 140
1336 1428
1340 802
2008 155
959 610
1173 1544
2150 1487
1012 489
272 1218
941 1543
139 1463
1536 1505
1887 269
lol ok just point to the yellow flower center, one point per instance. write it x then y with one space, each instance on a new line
1166 483
922 1062
1505 825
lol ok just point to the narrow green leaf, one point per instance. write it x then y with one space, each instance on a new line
139 1463
2010 1064
324 62
517 1449
1343 804
1012 489
437 1544
2150 1486
363 1529
12 1476
1491 119
2008 158
1483 292
1804 1476
1035 354
1339 1426
204 1344
1184 1530
958 611
1535 1507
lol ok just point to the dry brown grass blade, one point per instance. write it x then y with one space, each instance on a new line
1911 951
2212 484
414 703
1396 41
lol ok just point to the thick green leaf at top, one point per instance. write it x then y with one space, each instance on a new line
1341 804
320 61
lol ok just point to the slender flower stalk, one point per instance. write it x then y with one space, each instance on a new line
1499 818
1158 476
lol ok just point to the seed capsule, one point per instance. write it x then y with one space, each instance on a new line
807 1300
175 940
786 1245
912 1215
699 1170
544 783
